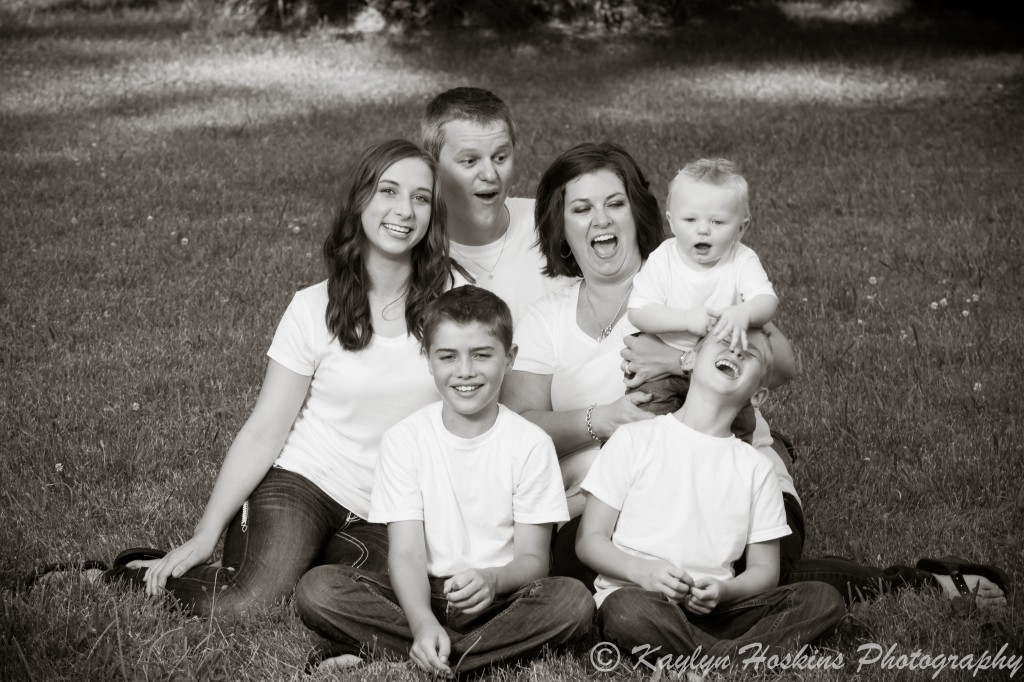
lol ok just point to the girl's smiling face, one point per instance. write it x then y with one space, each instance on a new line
398 213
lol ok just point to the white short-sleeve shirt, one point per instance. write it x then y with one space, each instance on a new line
693 500
511 267
666 280
583 370
354 396
468 492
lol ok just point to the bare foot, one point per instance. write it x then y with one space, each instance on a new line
987 592
340 662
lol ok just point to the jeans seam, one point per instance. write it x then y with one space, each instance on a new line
516 601
372 588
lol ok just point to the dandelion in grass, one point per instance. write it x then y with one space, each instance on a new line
975 298
184 241
860 321
135 407
965 313
149 218
74 221
872 280
933 305
58 467
295 228
977 386
943 302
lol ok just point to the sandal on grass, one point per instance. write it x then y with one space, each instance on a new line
137 554
956 568
62 567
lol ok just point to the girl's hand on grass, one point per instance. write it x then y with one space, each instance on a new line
704 596
471 591
430 650
607 418
732 325
661 576
195 551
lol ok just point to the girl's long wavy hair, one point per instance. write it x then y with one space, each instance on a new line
348 285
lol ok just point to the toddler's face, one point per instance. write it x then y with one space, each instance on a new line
706 220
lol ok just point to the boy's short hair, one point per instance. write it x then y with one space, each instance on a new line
466 304
719 172
471 104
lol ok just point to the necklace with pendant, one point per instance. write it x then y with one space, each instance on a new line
501 252
607 329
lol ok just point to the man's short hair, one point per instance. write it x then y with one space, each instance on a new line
480 106
467 304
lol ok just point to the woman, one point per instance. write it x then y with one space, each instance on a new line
299 472
598 221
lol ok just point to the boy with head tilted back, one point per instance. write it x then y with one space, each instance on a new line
673 502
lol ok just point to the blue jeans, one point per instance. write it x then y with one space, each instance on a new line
286 526
358 613
780 619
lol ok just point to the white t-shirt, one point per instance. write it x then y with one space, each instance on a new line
353 398
583 372
666 280
690 499
469 492
515 261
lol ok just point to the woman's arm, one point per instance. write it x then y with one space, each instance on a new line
529 394
250 456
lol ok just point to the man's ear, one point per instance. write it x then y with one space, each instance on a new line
760 395
687 360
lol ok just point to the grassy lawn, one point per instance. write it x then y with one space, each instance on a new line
164 191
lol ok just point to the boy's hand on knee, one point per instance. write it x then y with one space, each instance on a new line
430 650
471 591
669 579
704 596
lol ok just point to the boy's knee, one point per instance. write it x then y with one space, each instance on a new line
575 602
826 598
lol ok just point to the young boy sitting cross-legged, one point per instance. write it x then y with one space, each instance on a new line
469 490
674 501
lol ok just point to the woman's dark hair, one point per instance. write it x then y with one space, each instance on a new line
549 211
348 286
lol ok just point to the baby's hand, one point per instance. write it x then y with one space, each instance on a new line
669 579
704 596
698 320
732 324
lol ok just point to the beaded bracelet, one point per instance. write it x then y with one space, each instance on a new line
590 424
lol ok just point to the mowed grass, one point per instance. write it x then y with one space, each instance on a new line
165 191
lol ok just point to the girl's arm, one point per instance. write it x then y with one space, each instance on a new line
529 394
250 456
407 564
